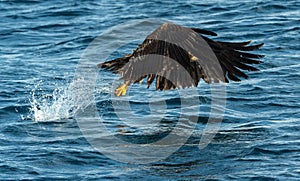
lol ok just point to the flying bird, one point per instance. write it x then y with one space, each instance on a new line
174 56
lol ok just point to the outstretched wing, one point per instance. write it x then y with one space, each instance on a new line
177 57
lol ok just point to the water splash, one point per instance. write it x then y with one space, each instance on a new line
53 106
59 100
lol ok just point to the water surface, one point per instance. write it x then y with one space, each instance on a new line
42 43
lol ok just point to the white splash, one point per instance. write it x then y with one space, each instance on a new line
58 105
66 99
55 106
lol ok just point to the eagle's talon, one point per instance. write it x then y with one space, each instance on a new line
121 90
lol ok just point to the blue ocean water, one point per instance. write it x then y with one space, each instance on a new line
42 43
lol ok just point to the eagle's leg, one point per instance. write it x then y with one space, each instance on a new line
121 90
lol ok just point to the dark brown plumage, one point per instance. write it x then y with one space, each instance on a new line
191 52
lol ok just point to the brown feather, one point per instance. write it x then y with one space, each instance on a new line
189 56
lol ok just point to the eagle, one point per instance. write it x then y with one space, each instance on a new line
174 56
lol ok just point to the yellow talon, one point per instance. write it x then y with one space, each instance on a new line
193 59
121 90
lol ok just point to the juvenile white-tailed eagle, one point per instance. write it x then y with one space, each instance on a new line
178 57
